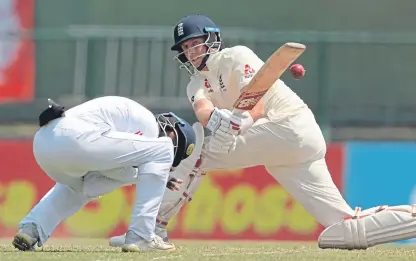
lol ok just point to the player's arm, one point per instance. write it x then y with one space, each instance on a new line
202 106
258 111
244 64
218 121
203 111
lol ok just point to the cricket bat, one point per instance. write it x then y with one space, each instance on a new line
268 74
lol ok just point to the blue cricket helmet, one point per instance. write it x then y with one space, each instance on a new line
184 133
192 26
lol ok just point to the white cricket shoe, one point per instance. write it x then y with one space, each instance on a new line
118 241
135 243
26 238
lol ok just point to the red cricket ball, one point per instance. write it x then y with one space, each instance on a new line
297 71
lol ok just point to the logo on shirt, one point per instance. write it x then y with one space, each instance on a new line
208 86
222 85
139 133
248 71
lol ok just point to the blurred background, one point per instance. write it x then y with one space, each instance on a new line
360 71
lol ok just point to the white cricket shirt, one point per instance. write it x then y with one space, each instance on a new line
120 113
228 72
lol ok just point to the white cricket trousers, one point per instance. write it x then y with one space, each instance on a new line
87 161
292 149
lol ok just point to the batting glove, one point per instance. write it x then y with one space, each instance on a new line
220 123
217 145
224 124
242 123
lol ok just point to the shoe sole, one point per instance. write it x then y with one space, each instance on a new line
121 243
22 242
111 244
136 249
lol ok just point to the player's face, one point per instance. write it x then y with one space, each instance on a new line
195 50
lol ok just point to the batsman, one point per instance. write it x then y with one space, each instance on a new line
278 131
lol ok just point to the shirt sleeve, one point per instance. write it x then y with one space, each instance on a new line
195 91
245 65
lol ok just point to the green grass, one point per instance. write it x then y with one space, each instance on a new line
98 250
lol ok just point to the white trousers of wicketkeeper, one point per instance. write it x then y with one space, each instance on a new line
87 161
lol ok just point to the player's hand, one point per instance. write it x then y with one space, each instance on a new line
242 122
217 145
220 122
173 183
224 124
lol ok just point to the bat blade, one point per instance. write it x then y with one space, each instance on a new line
268 74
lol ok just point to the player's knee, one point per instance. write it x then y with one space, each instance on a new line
164 153
159 163
88 196
70 192
98 183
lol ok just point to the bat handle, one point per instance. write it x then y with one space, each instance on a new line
237 112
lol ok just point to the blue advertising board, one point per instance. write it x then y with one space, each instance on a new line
380 173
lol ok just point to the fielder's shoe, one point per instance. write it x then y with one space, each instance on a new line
118 241
135 243
26 238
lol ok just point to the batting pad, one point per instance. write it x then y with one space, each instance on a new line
188 170
371 227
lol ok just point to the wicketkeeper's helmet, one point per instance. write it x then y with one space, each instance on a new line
184 142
